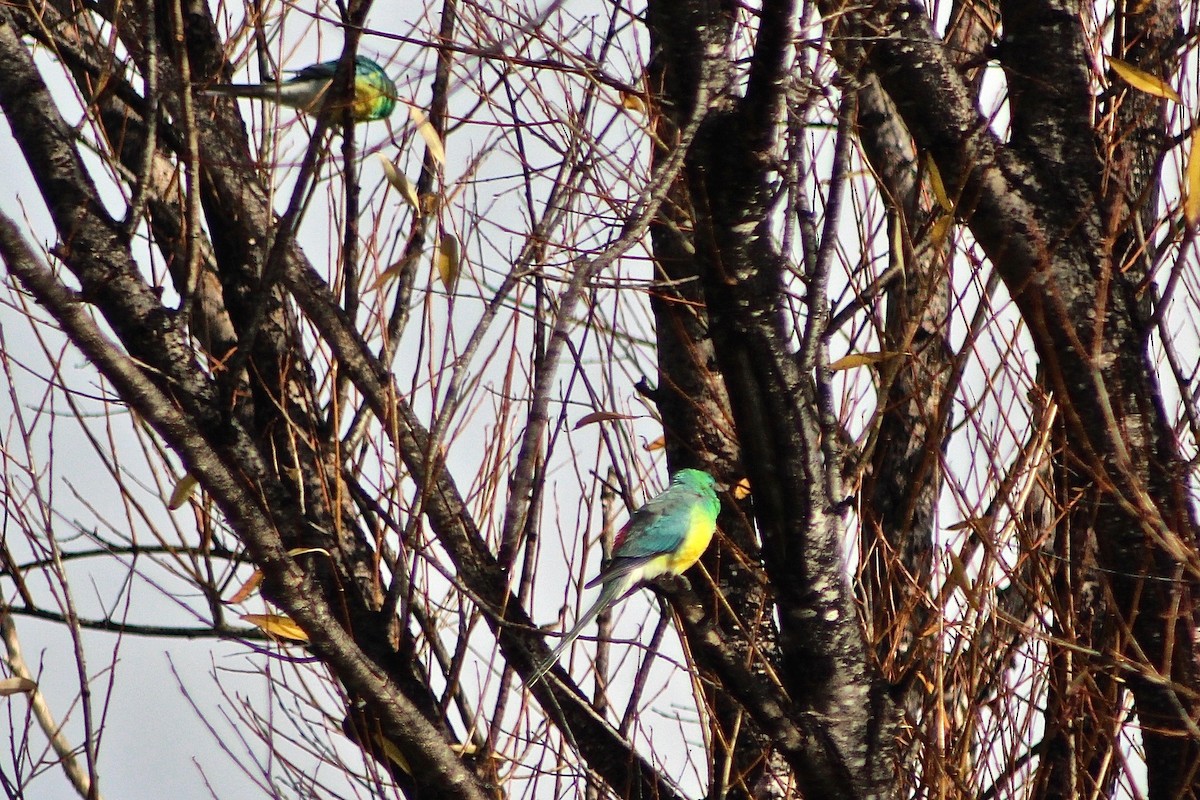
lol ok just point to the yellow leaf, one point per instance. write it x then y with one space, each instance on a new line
387 275
393 753
940 230
248 588
182 491
959 577
429 134
741 489
657 444
303 551
16 685
939 188
861 360
1143 81
469 749
399 182
633 102
601 416
958 573
1191 200
447 261
278 625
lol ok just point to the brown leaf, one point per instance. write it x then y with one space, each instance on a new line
601 416
388 274
861 360
248 588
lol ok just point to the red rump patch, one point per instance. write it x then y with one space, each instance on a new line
621 534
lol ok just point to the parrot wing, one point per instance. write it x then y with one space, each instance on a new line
316 72
657 528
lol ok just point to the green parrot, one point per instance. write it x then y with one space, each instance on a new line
664 537
374 92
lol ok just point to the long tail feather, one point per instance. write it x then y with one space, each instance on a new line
613 590
295 94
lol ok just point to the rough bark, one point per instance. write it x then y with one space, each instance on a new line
1033 206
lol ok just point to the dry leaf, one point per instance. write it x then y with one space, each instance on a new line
248 588
470 749
741 489
277 625
17 685
1191 198
861 360
399 182
657 444
393 753
303 551
600 416
387 275
447 261
426 129
182 491
633 102
959 577
1144 81
940 230
958 573
939 188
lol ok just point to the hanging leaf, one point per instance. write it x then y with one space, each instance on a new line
1191 201
277 625
303 551
255 580
16 685
248 588
632 102
861 360
1144 81
741 489
399 182
182 491
429 134
392 753
601 416
447 261
657 444
389 274
939 188
977 524
939 231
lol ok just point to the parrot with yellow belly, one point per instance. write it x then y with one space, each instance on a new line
374 92
666 536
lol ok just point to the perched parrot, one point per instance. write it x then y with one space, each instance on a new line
374 92
663 537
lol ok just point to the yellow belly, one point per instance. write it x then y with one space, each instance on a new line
700 533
